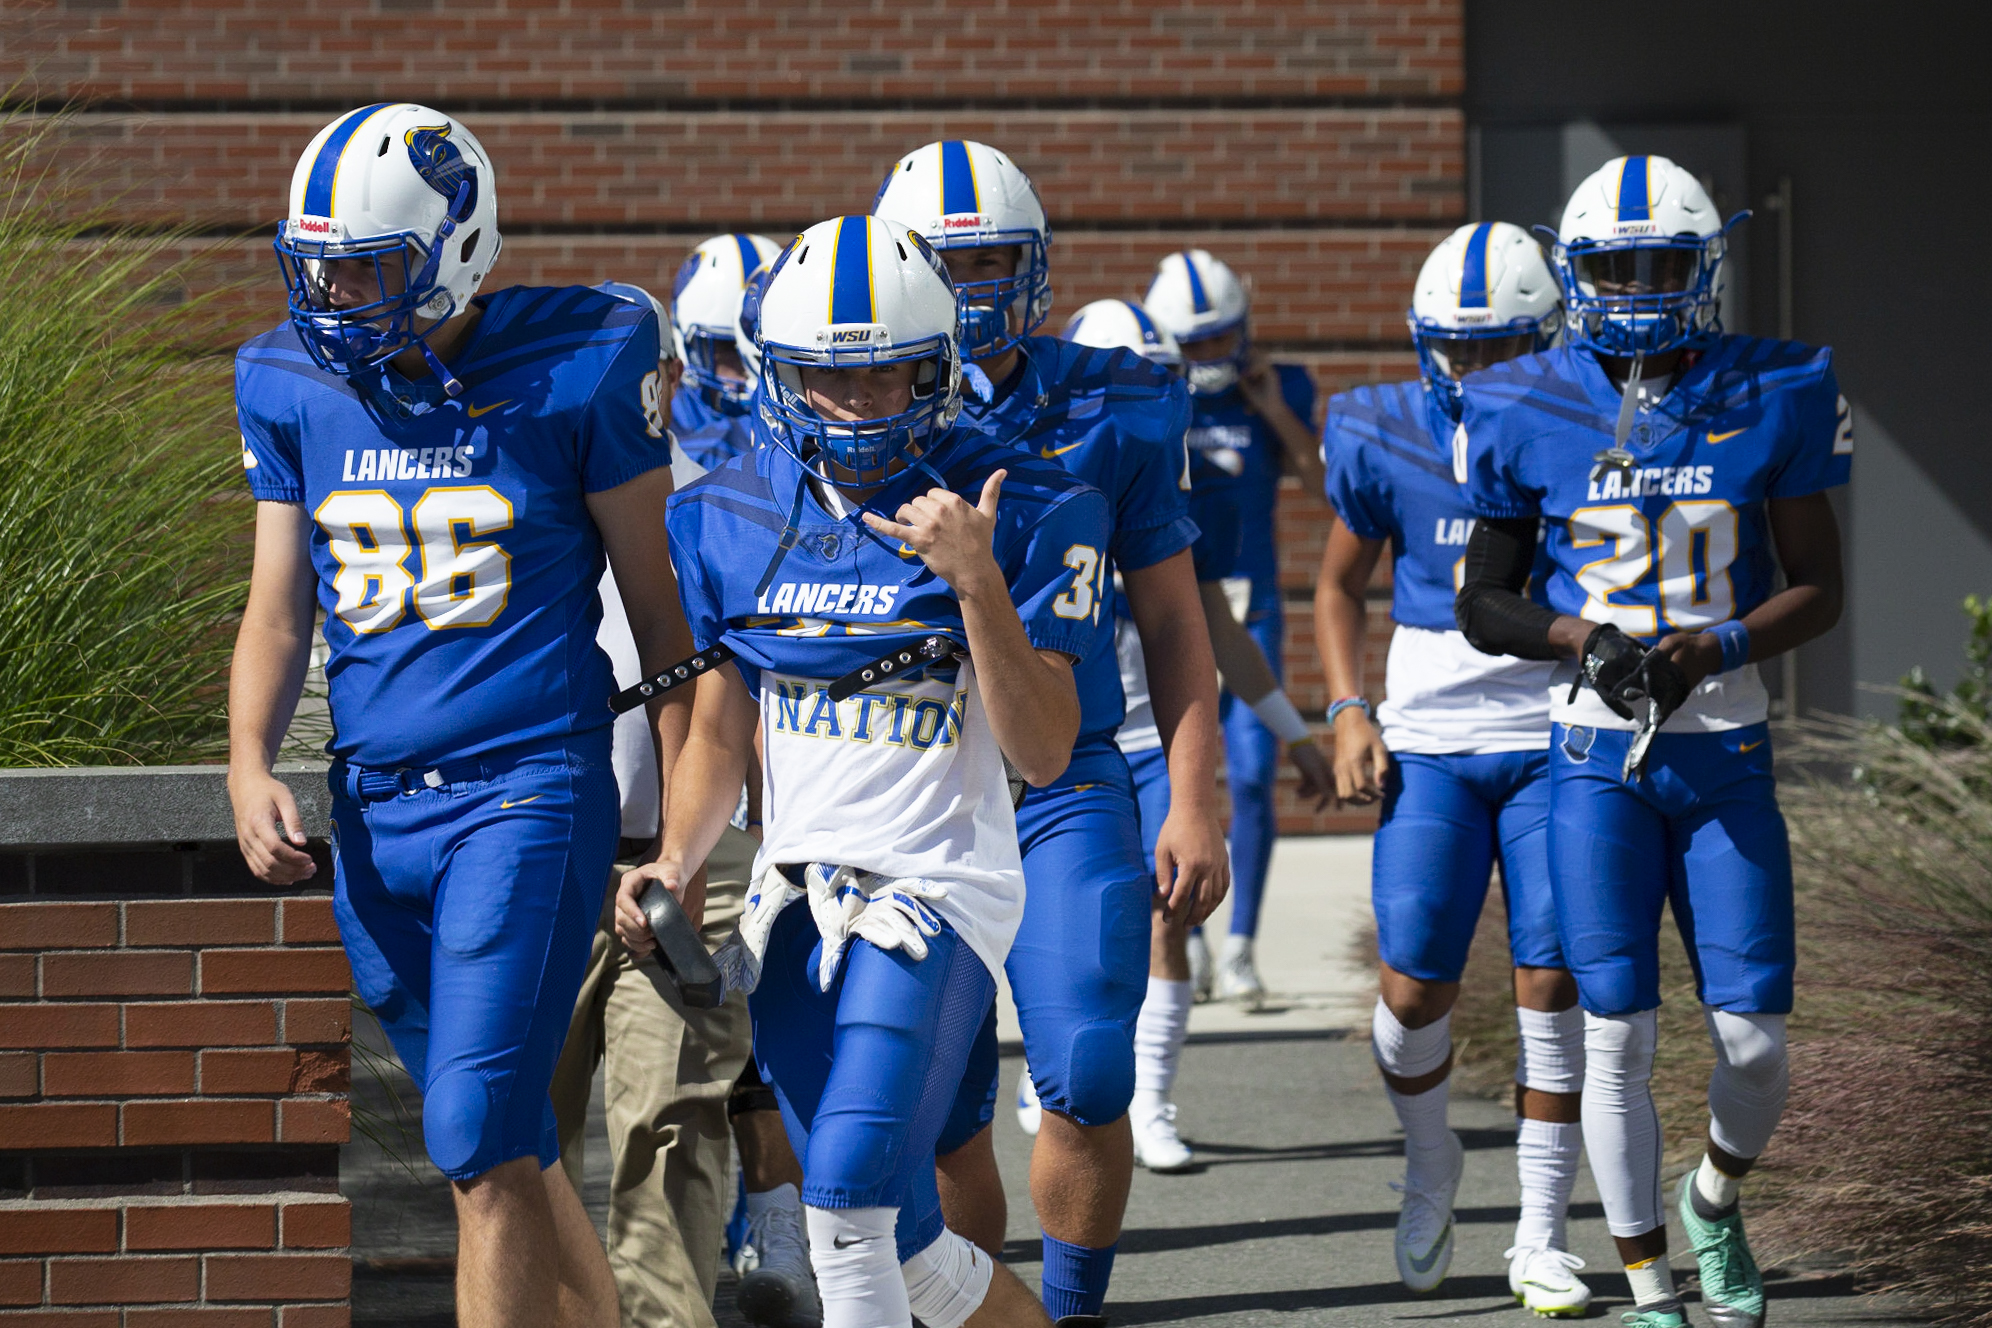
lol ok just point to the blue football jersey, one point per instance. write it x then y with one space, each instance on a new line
457 563
1115 421
1390 477
705 433
845 594
1681 541
1235 455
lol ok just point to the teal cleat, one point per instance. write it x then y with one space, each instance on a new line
1655 1318
1732 1288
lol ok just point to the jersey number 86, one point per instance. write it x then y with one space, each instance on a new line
463 580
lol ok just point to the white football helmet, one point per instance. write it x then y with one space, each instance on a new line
1639 254
410 193
747 325
635 294
1126 324
847 293
963 195
1197 297
1484 295
705 305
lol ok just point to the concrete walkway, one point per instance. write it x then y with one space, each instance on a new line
1287 1221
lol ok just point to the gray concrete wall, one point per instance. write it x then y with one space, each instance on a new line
1878 116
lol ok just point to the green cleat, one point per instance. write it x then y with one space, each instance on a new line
1673 1318
1732 1288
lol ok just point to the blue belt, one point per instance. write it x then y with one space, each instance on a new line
379 783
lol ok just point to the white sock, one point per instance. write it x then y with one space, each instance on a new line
769 1201
1158 1035
1546 1157
1746 1093
857 1267
1428 1154
1549 1053
1621 1126
1652 1281
1718 1189
947 1282
1236 945
1409 1052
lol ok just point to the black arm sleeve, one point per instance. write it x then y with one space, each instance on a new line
1491 609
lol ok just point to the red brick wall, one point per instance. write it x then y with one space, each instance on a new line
173 1079
1318 145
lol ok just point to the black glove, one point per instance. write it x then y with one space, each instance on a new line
1609 658
1622 671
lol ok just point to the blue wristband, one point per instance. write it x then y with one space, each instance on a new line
1735 640
1349 703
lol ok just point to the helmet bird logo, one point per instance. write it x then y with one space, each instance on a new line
443 167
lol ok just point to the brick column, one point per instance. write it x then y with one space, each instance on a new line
173 1083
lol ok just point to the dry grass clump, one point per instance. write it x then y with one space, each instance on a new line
1885 1156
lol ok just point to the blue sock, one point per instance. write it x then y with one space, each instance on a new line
1075 1278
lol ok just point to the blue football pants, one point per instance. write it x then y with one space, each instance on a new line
467 913
1699 830
867 1072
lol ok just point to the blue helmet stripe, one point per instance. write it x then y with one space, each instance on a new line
850 272
1473 271
958 192
1149 336
750 257
318 186
1199 302
1633 205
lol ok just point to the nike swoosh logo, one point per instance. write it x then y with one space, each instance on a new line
845 1242
521 802
1424 1265
1750 746
1722 437
475 411
1049 452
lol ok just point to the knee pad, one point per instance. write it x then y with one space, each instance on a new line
1746 1093
1549 1055
1097 1081
857 1266
1619 1047
1409 1052
457 1114
947 1281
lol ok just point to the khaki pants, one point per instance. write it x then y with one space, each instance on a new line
668 1071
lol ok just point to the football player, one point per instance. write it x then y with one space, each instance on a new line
1674 469
1078 970
1165 1011
1459 757
710 413
889 882
1252 422
442 473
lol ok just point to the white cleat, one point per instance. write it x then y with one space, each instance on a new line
1425 1226
1546 1282
1157 1146
779 1291
1029 1112
1200 968
1237 977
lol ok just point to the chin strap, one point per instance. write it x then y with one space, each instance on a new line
791 532
1616 457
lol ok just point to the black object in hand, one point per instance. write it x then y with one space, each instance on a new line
680 951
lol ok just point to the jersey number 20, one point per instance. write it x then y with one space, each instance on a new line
1696 543
463 578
